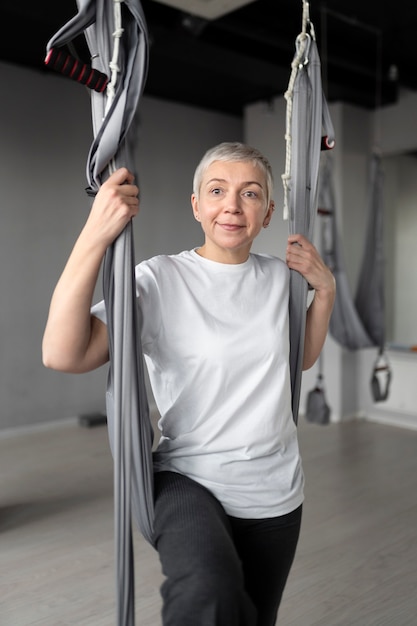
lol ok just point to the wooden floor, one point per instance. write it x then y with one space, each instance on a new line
356 563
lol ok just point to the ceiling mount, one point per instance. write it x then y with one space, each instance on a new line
208 9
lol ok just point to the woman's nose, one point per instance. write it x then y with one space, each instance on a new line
233 204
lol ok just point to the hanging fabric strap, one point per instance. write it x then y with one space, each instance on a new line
317 409
345 326
307 116
306 54
358 323
355 323
370 299
117 38
381 378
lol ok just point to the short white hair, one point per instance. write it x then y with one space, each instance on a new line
234 151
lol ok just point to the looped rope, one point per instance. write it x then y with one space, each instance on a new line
114 65
300 60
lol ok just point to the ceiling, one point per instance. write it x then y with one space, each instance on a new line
367 48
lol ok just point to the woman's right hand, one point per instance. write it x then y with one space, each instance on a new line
115 204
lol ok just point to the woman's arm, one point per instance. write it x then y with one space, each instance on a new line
303 257
74 341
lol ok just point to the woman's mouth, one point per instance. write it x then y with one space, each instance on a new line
231 227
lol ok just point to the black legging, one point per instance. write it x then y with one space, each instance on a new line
220 570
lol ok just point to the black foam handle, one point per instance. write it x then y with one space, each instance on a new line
77 70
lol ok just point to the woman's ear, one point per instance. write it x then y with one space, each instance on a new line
194 204
268 215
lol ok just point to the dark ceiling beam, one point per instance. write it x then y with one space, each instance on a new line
206 57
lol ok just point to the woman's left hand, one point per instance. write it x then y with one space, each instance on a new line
302 256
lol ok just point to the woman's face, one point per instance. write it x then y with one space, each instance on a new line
232 209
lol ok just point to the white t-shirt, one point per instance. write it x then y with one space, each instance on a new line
216 342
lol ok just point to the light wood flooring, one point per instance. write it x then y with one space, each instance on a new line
356 563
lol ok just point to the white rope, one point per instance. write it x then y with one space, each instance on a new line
114 64
298 63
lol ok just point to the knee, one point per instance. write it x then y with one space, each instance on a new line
209 597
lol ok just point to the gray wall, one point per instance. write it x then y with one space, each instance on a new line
45 135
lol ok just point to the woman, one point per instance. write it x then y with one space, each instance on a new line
215 334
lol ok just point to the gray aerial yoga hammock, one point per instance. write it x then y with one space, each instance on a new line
358 322
124 49
307 119
117 37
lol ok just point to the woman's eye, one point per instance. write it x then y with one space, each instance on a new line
216 191
251 194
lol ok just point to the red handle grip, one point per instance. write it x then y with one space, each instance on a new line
326 143
77 70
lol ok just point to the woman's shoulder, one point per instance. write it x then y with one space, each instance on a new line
162 264
269 261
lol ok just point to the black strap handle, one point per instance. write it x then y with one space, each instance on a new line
72 67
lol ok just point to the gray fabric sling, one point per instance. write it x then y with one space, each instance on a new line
309 119
130 431
369 298
356 323
317 410
359 322
346 327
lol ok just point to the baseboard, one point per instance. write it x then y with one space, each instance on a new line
91 420
392 418
87 420
39 427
